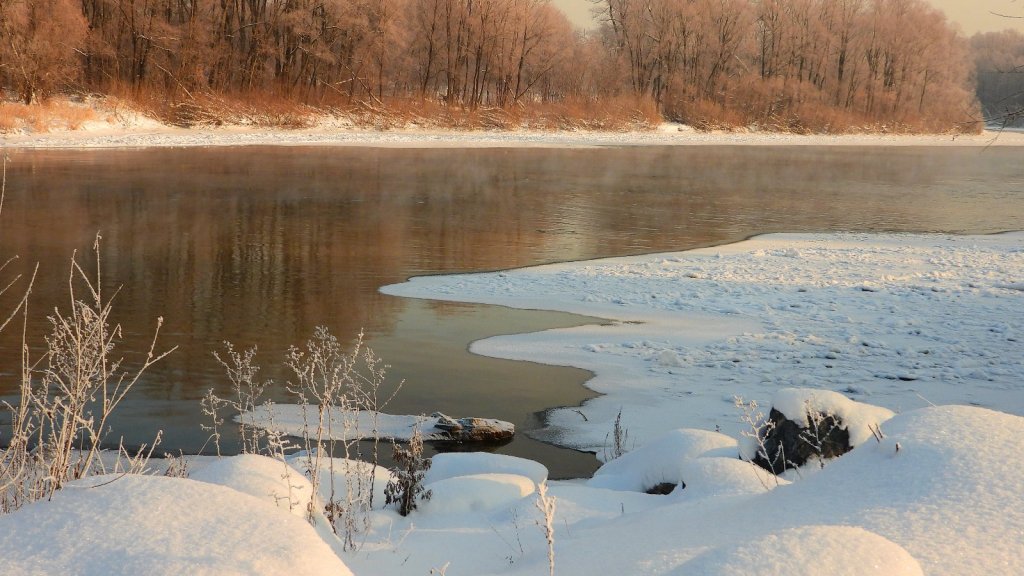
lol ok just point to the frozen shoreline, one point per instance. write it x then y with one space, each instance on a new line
896 320
144 134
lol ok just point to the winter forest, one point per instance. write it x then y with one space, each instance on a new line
793 65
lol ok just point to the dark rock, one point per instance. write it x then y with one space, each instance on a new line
484 430
788 444
664 488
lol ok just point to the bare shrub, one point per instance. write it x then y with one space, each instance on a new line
339 394
67 396
248 392
757 428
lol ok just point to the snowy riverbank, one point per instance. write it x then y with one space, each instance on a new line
890 320
136 132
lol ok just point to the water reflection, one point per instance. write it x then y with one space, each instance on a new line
259 245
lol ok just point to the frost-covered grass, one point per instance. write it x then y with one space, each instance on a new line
886 320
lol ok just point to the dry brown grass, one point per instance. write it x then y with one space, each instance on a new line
46 116
261 110
609 114
766 106
800 108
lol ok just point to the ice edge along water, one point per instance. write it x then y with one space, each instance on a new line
897 320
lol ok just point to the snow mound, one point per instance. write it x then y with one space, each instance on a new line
453 464
156 525
710 477
945 483
265 478
662 460
476 493
857 418
809 551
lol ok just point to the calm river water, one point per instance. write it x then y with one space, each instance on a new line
258 245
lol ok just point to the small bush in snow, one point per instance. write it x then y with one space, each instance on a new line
406 485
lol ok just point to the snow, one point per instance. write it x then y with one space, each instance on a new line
661 460
293 419
810 551
476 493
128 129
453 464
688 331
264 478
940 491
132 525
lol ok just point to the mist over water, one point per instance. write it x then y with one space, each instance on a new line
259 245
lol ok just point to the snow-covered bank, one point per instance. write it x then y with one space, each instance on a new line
146 133
941 493
896 320
888 320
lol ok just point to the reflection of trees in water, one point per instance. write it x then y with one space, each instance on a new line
259 245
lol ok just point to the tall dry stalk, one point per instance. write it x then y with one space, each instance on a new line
67 396
547 505
339 392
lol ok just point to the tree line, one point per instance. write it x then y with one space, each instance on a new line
829 65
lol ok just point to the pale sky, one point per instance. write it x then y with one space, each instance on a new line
972 15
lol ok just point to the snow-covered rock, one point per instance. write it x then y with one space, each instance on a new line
293 420
807 424
486 430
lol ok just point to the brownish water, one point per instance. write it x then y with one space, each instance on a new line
258 245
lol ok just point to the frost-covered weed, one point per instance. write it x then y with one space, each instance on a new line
758 426
616 440
66 396
332 384
547 505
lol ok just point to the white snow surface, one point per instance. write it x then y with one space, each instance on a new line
292 419
154 525
476 493
900 321
942 493
810 551
454 464
264 478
